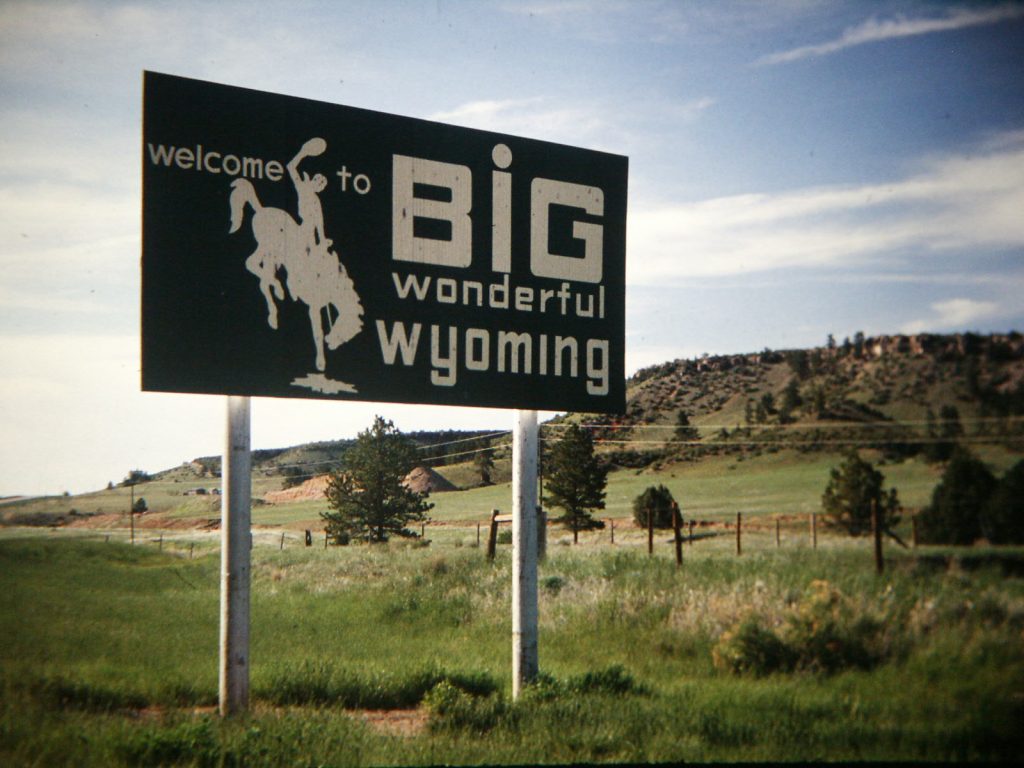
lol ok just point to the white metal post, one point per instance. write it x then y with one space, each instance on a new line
235 543
524 551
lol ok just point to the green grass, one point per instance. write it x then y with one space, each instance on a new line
107 650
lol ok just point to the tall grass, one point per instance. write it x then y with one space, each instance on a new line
108 657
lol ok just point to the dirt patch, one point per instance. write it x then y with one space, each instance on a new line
312 490
421 479
424 479
395 722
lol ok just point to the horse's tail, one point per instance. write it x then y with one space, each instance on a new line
242 192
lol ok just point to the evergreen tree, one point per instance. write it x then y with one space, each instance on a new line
858 344
954 515
684 431
575 481
368 498
791 399
852 488
1002 518
483 462
656 501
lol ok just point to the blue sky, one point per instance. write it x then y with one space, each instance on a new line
797 168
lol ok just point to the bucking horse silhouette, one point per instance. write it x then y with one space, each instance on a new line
298 250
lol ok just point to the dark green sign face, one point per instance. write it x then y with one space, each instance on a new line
292 248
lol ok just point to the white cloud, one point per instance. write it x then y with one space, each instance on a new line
875 30
955 203
954 313
533 117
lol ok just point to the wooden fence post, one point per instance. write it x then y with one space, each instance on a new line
691 531
814 530
542 533
677 524
778 534
492 537
478 534
876 532
282 540
423 530
191 549
309 538
325 538
650 531
739 534
160 542
611 522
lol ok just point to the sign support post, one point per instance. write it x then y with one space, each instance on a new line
236 541
524 551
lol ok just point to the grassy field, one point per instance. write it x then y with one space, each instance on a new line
716 488
400 654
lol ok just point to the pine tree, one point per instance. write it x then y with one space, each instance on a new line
368 498
575 481
483 462
684 431
852 488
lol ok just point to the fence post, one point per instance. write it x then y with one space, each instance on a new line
691 531
677 524
282 540
160 543
739 534
876 532
478 534
492 537
612 523
650 531
423 530
309 538
778 535
191 549
542 534
325 538
814 530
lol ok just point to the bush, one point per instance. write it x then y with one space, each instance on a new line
657 500
1002 518
954 515
823 634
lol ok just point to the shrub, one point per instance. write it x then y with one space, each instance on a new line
656 500
954 515
1002 518
749 647
452 708
823 634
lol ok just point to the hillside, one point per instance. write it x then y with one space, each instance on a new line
897 397
898 394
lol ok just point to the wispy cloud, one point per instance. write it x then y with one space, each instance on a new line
957 202
534 117
876 30
954 313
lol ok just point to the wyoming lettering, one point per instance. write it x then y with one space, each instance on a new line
512 352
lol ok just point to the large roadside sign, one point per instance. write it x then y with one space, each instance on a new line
294 248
